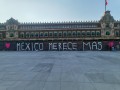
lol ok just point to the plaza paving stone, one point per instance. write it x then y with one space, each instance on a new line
52 70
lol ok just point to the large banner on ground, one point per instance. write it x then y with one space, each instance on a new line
39 45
